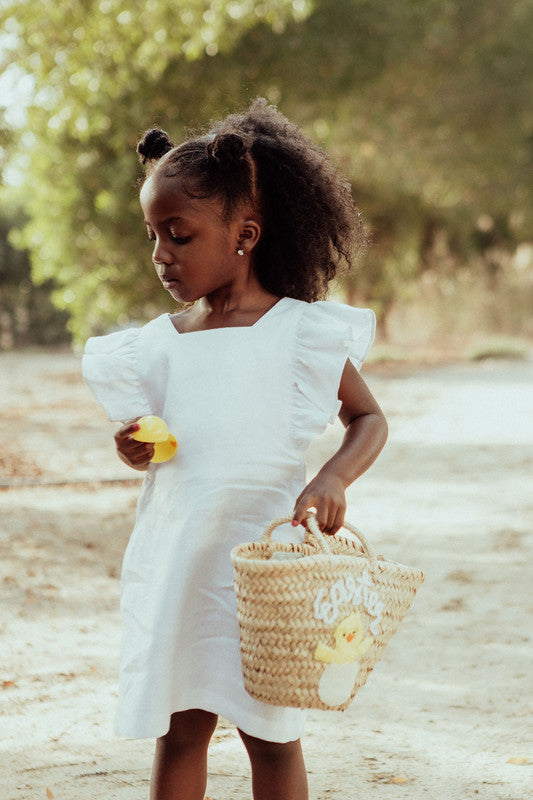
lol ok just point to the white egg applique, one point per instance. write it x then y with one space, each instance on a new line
342 661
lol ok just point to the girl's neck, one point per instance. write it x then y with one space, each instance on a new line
229 312
249 301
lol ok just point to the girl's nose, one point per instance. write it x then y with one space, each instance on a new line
160 255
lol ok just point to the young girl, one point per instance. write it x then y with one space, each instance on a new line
249 223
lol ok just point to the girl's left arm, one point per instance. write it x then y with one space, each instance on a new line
365 436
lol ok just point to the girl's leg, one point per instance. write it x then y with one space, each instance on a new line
278 770
180 763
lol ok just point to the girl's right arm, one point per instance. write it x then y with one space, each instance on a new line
135 454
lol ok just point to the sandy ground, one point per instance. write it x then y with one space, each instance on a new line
444 714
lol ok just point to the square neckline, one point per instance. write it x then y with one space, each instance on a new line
256 324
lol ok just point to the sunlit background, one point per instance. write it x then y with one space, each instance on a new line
425 106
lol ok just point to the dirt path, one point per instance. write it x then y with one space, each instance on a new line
442 714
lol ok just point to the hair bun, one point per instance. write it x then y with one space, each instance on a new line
227 148
154 144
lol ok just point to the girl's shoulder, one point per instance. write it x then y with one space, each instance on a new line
117 340
331 325
337 312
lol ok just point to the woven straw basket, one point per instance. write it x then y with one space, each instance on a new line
313 625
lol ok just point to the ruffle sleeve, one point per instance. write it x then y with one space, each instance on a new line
328 334
111 369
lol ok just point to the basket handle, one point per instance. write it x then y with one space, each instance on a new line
367 549
315 535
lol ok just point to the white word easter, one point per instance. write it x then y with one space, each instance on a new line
349 590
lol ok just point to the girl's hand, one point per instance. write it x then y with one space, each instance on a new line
326 492
135 454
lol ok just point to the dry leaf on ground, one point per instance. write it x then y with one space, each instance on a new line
399 778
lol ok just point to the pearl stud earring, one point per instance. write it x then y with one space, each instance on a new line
240 251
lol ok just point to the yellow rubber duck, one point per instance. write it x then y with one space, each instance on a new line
154 429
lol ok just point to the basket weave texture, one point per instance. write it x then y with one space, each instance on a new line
313 627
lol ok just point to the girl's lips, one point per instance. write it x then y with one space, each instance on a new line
169 283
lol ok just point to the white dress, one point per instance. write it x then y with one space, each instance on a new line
244 403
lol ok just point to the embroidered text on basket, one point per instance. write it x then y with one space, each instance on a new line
357 591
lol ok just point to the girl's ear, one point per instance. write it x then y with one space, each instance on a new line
249 235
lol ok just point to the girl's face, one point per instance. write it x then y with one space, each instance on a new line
195 251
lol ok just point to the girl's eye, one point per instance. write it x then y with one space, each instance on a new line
180 239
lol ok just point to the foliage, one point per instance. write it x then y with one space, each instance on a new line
26 313
101 74
424 105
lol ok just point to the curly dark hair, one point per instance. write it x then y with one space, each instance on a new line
310 226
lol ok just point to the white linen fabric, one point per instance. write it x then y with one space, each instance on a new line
244 403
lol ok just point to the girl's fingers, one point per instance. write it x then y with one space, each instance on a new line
138 457
130 447
329 519
298 513
145 451
320 511
322 518
127 430
303 504
338 521
131 451
141 454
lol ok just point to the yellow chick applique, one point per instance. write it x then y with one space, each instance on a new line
351 642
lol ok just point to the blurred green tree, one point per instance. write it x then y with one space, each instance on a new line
27 315
424 105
